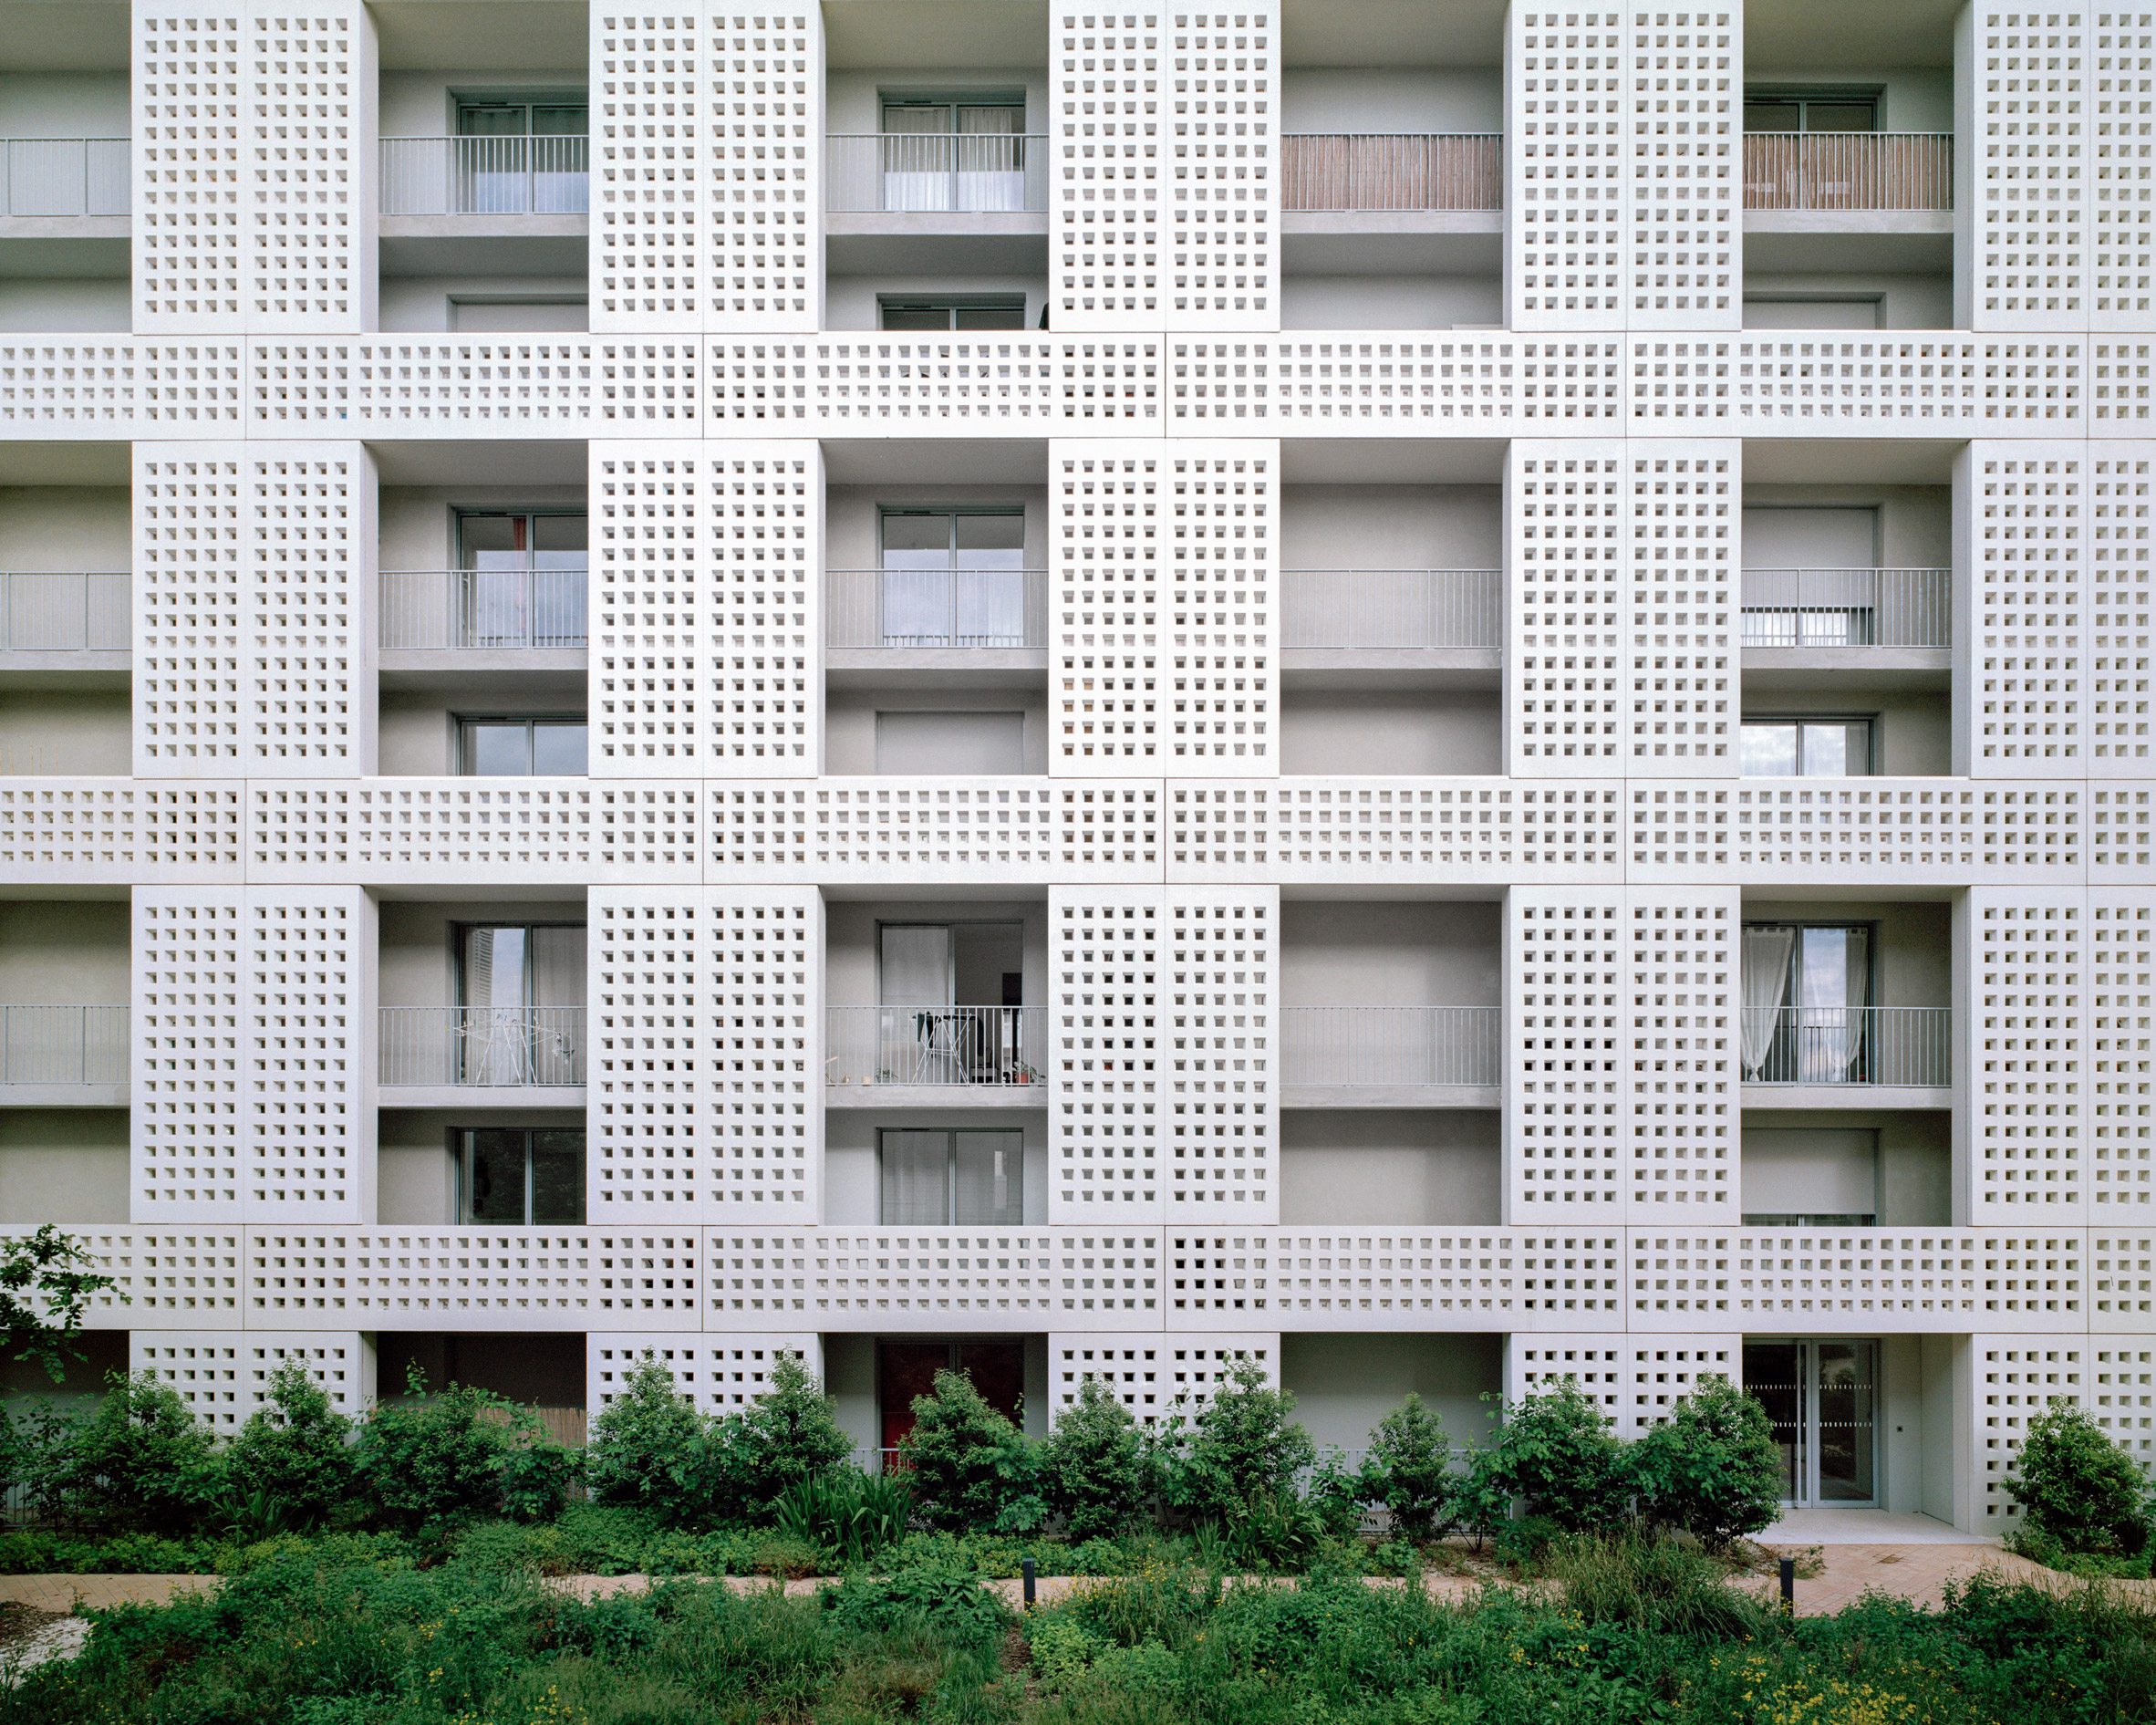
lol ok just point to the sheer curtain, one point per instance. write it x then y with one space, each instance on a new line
917 147
1766 978
990 174
914 1036
915 1179
988 1173
557 998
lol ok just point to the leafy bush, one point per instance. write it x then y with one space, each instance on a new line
1093 1470
950 1600
141 1463
852 1514
2076 1485
971 1467
791 1434
1407 1469
1244 1445
1555 1454
643 1452
1632 1577
457 1455
295 1451
1713 1470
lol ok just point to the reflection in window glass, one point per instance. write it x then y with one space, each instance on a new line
517 1178
521 748
1805 748
953 1178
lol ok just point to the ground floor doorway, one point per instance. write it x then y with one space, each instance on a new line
1823 1397
906 1369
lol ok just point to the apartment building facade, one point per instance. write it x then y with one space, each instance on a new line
1442 696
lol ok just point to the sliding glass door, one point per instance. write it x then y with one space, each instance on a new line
1822 1399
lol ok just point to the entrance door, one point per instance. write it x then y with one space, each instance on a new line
1822 1396
906 1369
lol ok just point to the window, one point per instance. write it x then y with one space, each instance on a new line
936 1178
1768 109
519 1002
523 158
519 1178
970 311
955 155
1822 748
1808 1016
524 578
497 746
953 578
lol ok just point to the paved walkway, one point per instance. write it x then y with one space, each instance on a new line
64 1592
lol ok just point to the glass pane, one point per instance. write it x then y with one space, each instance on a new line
1825 753
989 1170
497 750
494 969
1771 116
557 1178
492 542
495 1176
988 318
916 318
1845 1422
915 118
991 542
1838 117
503 121
1769 751
559 749
916 1177
917 541
561 122
557 966
1003 118
560 541
1772 1379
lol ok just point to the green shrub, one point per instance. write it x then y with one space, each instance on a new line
1407 1469
1713 1470
972 1469
1093 1470
643 1451
789 1434
1632 1577
850 1514
2075 1484
37 1449
295 1451
462 1454
141 1463
952 1601
1553 1453
1243 1445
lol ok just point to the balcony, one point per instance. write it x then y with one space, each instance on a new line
63 1055
460 1048
941 1048
1854 619
484 218
47 180
1411 616
947 176
1368 173
936 620
1847 1047
528 176
531 619
65 622
1393 1055
1848 170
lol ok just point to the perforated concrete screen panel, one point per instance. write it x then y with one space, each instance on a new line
1608 1149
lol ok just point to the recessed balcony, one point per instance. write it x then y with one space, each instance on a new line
1391 618
1855 619
1416 1049
935 620
485 1047
66 1056
936 1047
487 611
53 182
1844 1047
65 622
1844 1004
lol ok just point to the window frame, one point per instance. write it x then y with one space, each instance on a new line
461 1147
1870 720
1802 97
950 1174
462 745
952 303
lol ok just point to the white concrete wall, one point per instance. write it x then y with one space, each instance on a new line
1409 1167
417 964
1915 1156
1392 98
853 1183
849 724
1334 730
64 952
68 732
851 302
63 105
1392 527
67 528
1912 953
63 1164
417 1185
65 305
1343 1384
1471 300
1352 952
849 1379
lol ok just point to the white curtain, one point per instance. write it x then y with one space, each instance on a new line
557 997
990 172
1766 978
1856 996
917 149
915 1179
987 1179
914 980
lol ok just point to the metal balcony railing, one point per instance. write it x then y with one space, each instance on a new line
486 176
63 1044
1392 171
1392 1044
1848 608
481 1045
942 1045
441 608
980 174
41 613
1848 170
63 176
1847 1045
936 608
1390 608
